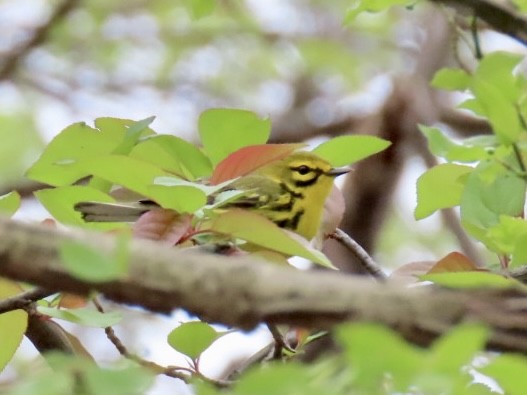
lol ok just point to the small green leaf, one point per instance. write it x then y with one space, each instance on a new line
371 6
174 155
471 280
224 131
510 371
9 203
84 316
345 150
183 199
133 133
60 201
13 324
497 92
439 144
258 230
192 338
178 182
509 237
200 8
451 79
440 187
490 191
500 111
90 264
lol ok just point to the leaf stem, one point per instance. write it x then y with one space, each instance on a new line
360 253
475 37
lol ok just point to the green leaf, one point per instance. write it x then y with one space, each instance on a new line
128 172
500 111
258 230
133 133
509 237
60 201
224 131
53 383
440 187
183 199
451 79
128 381
88 263
490 191
84 316
59 163
510 371
174 155
457 348
281 379
439 144
192 338
371 6
497 92
471 280
9 203
13 324
200 8
345 150
374 352
181 195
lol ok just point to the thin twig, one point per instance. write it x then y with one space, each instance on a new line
519 158
280 343
364 258
24 300
478 53
121 348
170 371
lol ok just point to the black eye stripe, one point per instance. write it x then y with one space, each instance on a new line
304 169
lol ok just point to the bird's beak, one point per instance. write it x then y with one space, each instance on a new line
337 171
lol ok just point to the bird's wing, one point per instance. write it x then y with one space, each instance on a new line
260 193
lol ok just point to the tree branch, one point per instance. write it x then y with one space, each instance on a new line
242 291
502 18
23 300
37 38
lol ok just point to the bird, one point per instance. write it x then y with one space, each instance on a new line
291 192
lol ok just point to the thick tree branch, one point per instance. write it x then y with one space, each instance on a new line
243 292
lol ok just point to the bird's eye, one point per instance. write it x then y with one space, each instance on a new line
303 169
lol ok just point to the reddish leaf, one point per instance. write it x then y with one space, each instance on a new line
162 225
454 262
72 301
250 158
409 273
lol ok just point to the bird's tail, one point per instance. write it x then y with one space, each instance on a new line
113 212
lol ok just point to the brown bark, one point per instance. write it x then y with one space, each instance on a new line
243 292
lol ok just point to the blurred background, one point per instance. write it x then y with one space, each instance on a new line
310 65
